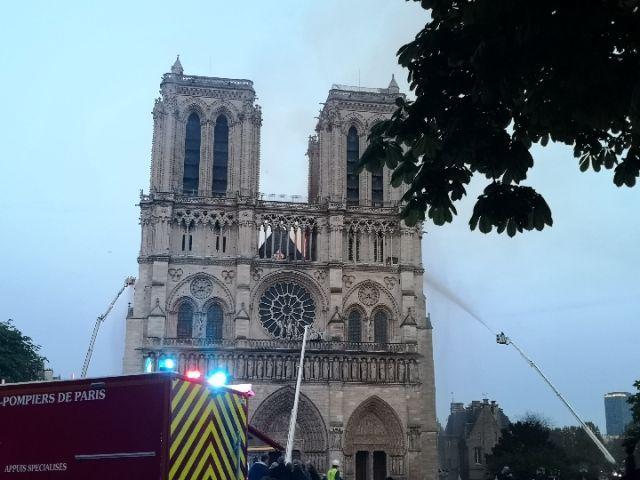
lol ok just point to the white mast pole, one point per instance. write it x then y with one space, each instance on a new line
294 412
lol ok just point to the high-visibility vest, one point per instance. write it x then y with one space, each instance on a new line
331 474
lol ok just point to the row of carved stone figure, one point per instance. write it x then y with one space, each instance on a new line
342 368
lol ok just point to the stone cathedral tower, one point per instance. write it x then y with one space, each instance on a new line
229 278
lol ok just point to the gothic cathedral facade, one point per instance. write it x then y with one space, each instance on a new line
228 278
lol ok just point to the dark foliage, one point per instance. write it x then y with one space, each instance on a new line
632 435
493 77
584 459
526 449
19 358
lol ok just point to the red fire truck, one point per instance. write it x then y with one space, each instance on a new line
155 426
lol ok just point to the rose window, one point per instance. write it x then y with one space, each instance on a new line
285 309
201 288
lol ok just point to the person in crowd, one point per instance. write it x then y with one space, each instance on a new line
313 473
334 471
279 470
298 471
259 469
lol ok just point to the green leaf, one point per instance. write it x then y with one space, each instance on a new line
411 216
394 156
485 224
544 140
610 159
396 179
584 162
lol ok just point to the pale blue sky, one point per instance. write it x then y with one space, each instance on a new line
77 88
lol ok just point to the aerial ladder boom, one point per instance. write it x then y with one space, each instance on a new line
502 339
129 281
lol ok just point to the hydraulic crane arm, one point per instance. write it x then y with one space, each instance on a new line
502 339
129 281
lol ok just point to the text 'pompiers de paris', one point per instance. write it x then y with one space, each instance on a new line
52 398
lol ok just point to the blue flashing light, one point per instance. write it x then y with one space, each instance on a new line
167 364
148 365
219 378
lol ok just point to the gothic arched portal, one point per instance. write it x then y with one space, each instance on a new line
374 445
272 417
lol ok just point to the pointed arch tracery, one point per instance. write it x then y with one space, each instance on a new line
374 425
380 321
355 320
192 142
353 155
354 120
186 311
215 321
220 155
273 415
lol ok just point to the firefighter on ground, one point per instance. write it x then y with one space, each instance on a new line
334 471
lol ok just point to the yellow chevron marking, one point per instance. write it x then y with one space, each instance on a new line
223 409
219 443
187 424
209 452
188 401
183 451
240 402
210 474
176 399
242 426
204 431
230 447
232 408
196 452
235 425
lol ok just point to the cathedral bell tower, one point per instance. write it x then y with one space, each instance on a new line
206 136
343 127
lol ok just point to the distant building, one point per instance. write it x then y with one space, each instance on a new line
470 434
617 412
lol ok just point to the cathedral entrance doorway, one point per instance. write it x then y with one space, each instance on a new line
272 417
379 465
371 465
374 443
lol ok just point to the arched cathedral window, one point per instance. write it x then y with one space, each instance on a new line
191 172
220 155
353 246
185 320
380 327
214 322
353 155
354 327
378 247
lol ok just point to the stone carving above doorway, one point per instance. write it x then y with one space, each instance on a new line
311 433
376 426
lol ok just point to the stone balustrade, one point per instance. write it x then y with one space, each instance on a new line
273 344
277 361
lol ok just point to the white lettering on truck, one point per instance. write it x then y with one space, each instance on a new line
49 398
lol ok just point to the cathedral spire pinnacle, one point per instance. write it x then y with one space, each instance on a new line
177 67
393 85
